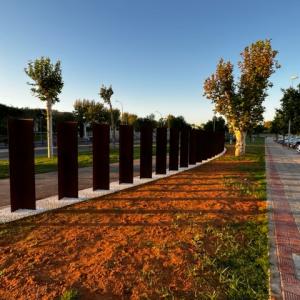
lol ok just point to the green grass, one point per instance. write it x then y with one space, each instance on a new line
235 257
44 164
69 295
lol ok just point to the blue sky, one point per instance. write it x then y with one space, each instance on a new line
155 53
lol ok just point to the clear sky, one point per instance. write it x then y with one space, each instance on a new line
155 53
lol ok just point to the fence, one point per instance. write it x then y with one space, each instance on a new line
186 147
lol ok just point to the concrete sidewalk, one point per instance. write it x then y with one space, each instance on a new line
46 183
283 187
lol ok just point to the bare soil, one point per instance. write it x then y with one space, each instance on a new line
135 244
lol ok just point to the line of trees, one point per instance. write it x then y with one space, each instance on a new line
289 111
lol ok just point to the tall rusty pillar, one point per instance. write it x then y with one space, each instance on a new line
126 154
21 164
161 150
146 151
205 146
100 156
67 159
199 146
184 147
174 149
192 147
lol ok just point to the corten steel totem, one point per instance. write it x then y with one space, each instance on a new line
100 156
184 147
192 147
126 154
67 159
146 151
21 164
206 145
161 150
199 145
174 149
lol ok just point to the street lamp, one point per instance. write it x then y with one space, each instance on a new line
294 77
121 109
161 116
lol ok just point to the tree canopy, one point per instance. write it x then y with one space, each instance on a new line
47 79
241 101
289 111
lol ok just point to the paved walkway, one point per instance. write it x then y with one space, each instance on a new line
46 183
283 182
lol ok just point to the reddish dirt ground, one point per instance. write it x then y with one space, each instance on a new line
135 244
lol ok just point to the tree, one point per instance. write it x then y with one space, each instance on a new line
218 124
278 124
290 107
176 122
241 102
88 111
129 118
105 94
47 85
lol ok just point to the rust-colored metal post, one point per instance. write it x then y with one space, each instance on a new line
100 156
184 147
21 164
161 150
146 151
199 146
67 159
174 149
192 147
126 154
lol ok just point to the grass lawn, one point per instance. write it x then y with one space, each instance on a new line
199 234
44 164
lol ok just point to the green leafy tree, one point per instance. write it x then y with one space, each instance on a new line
47 85
176 122
290 107
129 118
241 102
88 111
279 124
106 94
218 124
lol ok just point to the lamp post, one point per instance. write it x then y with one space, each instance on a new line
161 117
121 110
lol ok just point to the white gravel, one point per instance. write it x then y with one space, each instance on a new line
52 202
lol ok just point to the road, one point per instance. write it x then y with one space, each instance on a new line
46 183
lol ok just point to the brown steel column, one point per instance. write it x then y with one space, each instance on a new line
126 154
161 150
192 147
100 156
21 164
146 151
67 160
184 147
174 149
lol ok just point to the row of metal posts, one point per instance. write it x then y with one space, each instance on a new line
195 146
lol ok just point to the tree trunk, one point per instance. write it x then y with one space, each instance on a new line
240 144
113 126
84 130
49 130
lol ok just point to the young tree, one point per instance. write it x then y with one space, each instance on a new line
47 85
88 111
105 94
241 102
